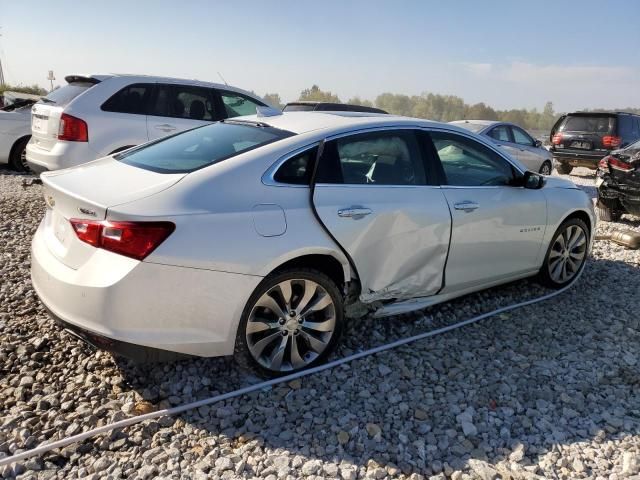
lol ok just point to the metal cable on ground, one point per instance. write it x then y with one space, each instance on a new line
268 383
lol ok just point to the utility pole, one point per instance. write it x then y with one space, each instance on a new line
51 78
1 73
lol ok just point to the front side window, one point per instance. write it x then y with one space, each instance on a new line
500 133
467 162
297 169
521 138
132 99
200 147
381 158
236 105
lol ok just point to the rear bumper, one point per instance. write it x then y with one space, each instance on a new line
578 159
114 302
61 155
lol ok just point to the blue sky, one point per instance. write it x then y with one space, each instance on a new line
509 54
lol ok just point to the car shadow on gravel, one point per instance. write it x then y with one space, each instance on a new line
518 393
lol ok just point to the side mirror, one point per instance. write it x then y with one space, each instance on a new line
533 181
538 143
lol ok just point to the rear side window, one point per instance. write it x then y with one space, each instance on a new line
625 127
200 147
469 163
297 169
62 96
589 123
131 99
236 105
380 158
500 133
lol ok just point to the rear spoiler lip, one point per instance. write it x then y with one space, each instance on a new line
83 78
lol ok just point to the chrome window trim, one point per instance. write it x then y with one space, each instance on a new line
268 176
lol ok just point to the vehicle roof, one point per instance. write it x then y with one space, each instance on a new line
303 122
476 122
155 78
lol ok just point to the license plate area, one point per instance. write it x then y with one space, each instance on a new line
39 123
582 145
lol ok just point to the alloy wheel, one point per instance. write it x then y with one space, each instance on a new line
546 169
567 254
290 325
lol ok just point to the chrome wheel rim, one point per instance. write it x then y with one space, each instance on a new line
23 159
546 169
290 325
567 254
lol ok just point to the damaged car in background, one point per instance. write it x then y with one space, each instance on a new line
618 183
261 236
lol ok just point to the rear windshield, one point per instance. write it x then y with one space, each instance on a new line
589 123
63 95
472 127
200 147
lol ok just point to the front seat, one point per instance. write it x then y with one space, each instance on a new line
196 110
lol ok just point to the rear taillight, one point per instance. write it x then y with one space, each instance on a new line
618 164
131 239
557 139
72 129
611 141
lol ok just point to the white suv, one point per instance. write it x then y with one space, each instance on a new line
98 115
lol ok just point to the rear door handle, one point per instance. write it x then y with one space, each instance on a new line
354 212
165 127
466 206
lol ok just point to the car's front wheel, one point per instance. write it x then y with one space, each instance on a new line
564 169
546 168
292 321
566 254
18 157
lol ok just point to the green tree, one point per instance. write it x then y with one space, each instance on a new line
480 111
31 89
314 94
395 103
359 101
273 99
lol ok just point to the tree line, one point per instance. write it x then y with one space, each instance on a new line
442 108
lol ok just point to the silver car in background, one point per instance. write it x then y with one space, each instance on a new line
515 141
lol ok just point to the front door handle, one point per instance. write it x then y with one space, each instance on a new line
165 127
466 206
354 212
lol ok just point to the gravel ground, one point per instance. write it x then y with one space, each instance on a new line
547 391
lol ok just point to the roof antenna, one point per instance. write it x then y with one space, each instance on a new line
225 82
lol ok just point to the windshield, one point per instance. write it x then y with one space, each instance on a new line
589 123
63 95
473 127
201 147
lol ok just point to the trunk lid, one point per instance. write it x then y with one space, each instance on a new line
45 115
87 192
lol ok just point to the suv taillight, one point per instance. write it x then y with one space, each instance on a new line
557 139
131 239
611 141
72 129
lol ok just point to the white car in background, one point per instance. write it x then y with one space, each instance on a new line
515 141
15 128
97 115
251 235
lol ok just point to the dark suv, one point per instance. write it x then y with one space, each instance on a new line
581 139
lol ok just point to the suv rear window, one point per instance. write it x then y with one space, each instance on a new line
62 96
200 147
589 123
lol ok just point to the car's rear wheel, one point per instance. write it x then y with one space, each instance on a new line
566 254
292 321
546 168
564 169
18 157
607 214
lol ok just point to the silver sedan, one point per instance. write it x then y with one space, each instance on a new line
260 236
513 140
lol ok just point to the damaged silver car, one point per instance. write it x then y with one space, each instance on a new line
260 236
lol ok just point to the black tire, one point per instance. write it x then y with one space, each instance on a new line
545 275
243 353
607 214
564 169
546 168
17 158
